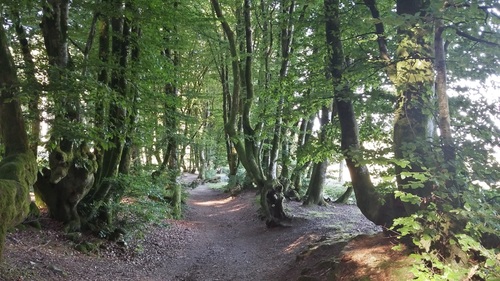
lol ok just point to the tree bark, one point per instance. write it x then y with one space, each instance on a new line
72 166
34 86
18 166
447 141
314 194
367 198
413 128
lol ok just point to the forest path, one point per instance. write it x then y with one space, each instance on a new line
227 240
220 238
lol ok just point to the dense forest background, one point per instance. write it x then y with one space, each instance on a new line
97 96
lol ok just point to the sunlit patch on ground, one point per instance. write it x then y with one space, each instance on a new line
300 242
214 203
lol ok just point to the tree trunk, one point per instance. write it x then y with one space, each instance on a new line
33 85
18 167
345 197
314 194
303 138
67 181
341 171
413 128
447 142
367 198
126 159
171 158
116 124
98 210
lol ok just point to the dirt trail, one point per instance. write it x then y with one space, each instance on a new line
220 238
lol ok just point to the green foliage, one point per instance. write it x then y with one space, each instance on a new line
143 203
190 31
452 244
335 190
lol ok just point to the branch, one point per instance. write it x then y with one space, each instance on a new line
76 45
91 35
475 39
381 40
487 9
379 30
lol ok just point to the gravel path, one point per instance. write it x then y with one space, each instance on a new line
220 238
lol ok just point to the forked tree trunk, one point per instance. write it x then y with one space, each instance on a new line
246 148
67 181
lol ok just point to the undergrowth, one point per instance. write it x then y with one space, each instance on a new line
144 202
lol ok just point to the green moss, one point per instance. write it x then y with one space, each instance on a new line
87 247
17 175
19 167
34 210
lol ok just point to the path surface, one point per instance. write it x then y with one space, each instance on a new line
220 238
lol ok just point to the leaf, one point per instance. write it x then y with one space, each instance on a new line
425 242
490 262
408 197
403 163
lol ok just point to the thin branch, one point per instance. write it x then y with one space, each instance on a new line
91 35
76 45
381 40
475 39
379 30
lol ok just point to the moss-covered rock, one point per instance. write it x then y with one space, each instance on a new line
17 175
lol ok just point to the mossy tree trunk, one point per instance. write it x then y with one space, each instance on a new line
97 207
170 160
413 127
71 165
18 166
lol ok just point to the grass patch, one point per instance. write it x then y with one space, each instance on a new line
334 190
218 186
